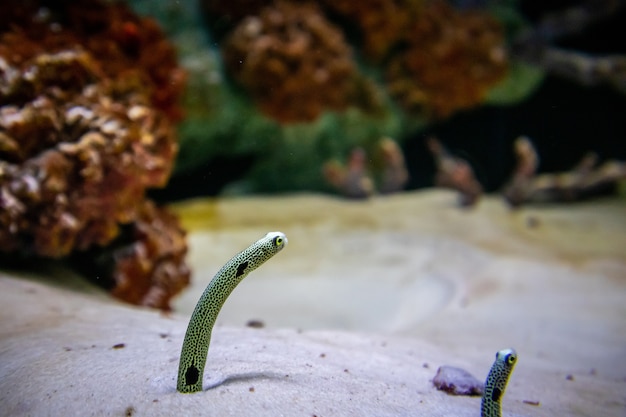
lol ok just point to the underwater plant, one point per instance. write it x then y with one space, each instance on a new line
198 336
585 180
354 180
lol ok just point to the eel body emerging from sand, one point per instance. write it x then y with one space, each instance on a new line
495 385
198 336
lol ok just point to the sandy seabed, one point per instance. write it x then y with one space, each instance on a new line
362 307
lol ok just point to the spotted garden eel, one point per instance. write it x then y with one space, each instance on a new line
196 344
496 383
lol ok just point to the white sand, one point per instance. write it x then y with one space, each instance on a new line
379 287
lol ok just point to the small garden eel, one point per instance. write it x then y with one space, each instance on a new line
196 344
496 383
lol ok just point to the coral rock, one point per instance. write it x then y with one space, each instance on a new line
293 62
146 260
450 60
381 23
86 127
77 156
125 46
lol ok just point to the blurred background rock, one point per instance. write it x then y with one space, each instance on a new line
276 89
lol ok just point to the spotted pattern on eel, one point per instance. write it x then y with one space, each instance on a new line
198 336
495 385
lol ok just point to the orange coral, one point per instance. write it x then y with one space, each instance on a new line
84 131
450 60
124 44
80 160
225 15
381 23
149 266
293 62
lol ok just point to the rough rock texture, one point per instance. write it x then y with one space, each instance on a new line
129 49
75 163
383 292
457 381
88 95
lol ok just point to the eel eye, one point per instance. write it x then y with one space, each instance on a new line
510 359
278 241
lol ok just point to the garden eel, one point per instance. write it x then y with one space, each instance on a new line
196 344
496 383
